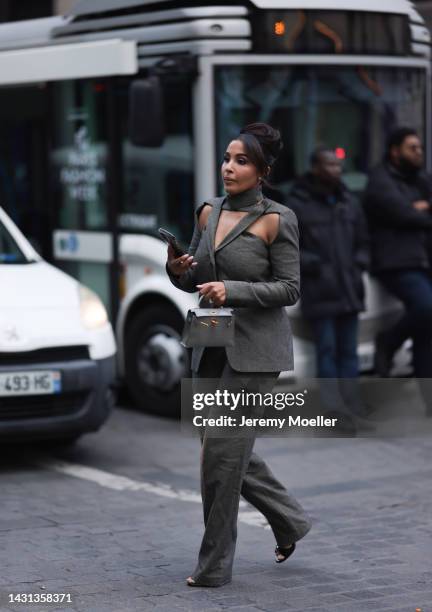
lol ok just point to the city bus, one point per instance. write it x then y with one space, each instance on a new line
114 118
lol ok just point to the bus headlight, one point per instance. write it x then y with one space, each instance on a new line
93 313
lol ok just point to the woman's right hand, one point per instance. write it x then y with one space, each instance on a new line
179 265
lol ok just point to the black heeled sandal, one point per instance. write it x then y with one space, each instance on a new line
197 583
286 551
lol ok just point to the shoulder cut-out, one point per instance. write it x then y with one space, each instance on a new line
203 215
272 226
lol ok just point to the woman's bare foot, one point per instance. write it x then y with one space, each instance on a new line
190 581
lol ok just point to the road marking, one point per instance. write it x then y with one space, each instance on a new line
253 517
123 483
119 483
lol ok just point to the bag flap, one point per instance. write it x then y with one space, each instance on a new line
212 312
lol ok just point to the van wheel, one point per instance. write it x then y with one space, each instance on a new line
155 361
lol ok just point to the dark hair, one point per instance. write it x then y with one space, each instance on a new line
263 145
316 154
397 136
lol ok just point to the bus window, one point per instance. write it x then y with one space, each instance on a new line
23 161
350 108
158 181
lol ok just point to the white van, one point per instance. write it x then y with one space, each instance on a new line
57 348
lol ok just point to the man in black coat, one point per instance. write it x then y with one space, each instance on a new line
333 255
398 206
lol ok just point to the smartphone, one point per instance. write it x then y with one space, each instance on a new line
172 240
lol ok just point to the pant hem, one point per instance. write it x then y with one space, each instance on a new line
293 537
210 583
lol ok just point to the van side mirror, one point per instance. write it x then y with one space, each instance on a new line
146 117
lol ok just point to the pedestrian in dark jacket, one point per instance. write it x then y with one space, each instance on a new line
398 206
429 232
333 255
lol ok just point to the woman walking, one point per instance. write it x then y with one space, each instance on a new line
244 254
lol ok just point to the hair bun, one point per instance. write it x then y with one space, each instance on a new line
268 137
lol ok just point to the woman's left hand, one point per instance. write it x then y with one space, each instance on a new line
213 292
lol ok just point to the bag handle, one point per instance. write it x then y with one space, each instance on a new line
212 307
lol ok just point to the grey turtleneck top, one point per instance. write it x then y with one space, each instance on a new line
244 201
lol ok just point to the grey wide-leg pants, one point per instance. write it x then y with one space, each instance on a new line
229 469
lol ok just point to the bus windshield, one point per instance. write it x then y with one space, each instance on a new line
349 108
10 253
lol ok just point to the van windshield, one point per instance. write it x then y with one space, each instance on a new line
10 253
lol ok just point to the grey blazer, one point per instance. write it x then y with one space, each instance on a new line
259 279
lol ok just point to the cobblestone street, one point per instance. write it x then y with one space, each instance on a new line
126 544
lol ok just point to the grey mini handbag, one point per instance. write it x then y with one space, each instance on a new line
208 327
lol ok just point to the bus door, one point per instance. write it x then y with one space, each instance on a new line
84 183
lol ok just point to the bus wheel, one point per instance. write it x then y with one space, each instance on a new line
60 443
155 361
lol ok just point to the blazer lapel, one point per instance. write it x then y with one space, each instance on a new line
212 223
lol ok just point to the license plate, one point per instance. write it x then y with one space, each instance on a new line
42 382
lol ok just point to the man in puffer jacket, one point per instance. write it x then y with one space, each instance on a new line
397 202
333 255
